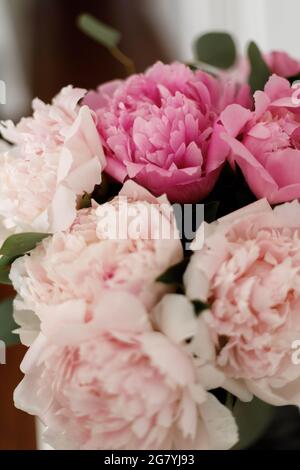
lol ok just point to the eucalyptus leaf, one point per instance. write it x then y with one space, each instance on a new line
4 275
20 243
100 32
7 323
5 263
260 71
216 49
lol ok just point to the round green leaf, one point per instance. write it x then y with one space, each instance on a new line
216 49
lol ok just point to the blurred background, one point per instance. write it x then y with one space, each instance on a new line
41 50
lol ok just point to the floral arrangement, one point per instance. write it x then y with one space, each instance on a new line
137 339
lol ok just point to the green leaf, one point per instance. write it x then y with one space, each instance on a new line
4 275
7 323
5 263
199 306
216 49
253 419
174 274
20 243
100 32
260 72
230 401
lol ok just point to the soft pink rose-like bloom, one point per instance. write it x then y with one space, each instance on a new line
249 271
84 262
158 128
111 382
265 143
56 158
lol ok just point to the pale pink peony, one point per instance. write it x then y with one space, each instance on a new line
249 271
265 143
84 262
56 158
158 128
111 382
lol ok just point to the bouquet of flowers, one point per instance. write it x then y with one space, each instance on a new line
151 231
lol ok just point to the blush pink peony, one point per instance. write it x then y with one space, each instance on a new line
86 261
265 143
57 157
249 271
111 382
158 129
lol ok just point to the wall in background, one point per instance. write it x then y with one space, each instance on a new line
273 24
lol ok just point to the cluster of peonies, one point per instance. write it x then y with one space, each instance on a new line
116 359
100 372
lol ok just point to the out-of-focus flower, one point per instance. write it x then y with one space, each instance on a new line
279 62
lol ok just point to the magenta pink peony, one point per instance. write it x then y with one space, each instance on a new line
111 382
84 262
249 271
158 129
57 156
265 143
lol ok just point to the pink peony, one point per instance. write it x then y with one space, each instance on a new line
111 382
56 158
158 129
265 143
83 263
279 62
249 271
282 64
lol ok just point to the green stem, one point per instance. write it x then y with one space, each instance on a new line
123 59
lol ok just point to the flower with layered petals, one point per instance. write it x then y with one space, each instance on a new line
56 157
85 261
158 129
265 143
249 271
111 382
